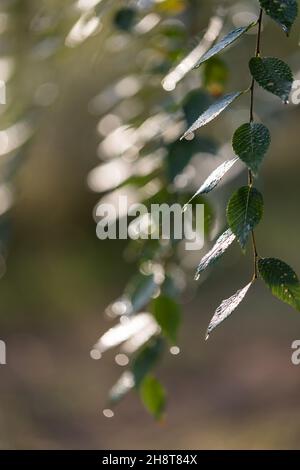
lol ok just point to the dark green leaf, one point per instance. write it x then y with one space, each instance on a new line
209 212
146 359
281 279
251 142
195 103
284 12
214 178
180 153
212 112
171 287
221 245
125 18
140 291
153 396
225 42
167 314
215 76
273 75
226 308
244 212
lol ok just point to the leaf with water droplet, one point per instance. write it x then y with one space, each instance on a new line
284 12
251 142
226 308
227 40
244 212
281 279
212 112
213 180
273 75
221 245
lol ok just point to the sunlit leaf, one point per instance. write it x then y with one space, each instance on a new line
226 308
185 65
167 314
273 75
244 212
284 12
146 359
251 142
124 385
281 279
212 112
153 396
123 331
221 245
225 42
214 178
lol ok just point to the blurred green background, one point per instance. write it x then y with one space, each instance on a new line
238 390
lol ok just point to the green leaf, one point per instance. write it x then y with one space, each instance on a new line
284 12
281 279
153 396
221 245
167 314
273 75
215 76
251 142
214 178
146 359
226 308
212 112
209 212
180 153
225 42
244 212
195 103
140 291
125 18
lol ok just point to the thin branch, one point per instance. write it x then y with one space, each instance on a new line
250 175
257 54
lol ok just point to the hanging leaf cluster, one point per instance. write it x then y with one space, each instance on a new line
148 314
251 142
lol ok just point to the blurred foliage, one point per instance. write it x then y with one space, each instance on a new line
146 102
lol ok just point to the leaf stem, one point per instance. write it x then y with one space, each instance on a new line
250 175
257 54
